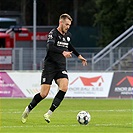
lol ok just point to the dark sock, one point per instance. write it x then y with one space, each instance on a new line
57 100
36 99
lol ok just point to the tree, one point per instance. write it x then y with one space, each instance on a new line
23 10
9 5
87 9
113 18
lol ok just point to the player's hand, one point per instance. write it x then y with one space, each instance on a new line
67 54
84 61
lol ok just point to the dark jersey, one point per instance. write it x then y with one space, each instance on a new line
56 44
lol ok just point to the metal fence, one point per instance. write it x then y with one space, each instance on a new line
22 59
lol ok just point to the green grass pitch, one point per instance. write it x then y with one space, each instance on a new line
107 116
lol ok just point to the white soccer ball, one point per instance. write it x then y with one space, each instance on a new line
83 117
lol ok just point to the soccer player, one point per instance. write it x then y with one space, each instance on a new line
59 48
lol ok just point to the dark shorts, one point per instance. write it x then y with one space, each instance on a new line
47 77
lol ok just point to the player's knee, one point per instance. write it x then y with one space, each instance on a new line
44 90
43 95
65 88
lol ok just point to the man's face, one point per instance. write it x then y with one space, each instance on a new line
65 25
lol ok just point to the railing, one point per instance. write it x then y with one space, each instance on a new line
106 55
130 52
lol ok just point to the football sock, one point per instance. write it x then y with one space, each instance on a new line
57 100
49 112
36 99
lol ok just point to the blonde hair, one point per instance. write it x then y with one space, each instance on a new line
64 16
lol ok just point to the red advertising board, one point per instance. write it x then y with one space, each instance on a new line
28 36
8 40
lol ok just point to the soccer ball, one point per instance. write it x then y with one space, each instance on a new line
83 117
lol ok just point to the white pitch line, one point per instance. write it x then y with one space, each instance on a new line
112 124
25 126
61 125
117 110
112 110
11 112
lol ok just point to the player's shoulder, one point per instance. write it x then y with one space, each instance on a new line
53 31
52 34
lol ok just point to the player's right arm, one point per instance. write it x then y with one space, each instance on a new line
51 43
67 54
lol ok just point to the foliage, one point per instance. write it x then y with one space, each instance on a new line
113 18
86 12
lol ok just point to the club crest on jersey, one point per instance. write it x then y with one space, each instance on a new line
68 39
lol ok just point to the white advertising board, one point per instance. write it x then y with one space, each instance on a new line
89 84
29 83
80 84
5 59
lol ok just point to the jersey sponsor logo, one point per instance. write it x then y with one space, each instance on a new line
64 72
62 44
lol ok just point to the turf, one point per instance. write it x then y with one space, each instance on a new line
107 116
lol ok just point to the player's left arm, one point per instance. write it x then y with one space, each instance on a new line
72 49
84 61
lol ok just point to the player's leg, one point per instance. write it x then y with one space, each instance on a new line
36 99
46 81
63 86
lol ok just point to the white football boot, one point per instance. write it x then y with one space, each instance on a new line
47 117
25 115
